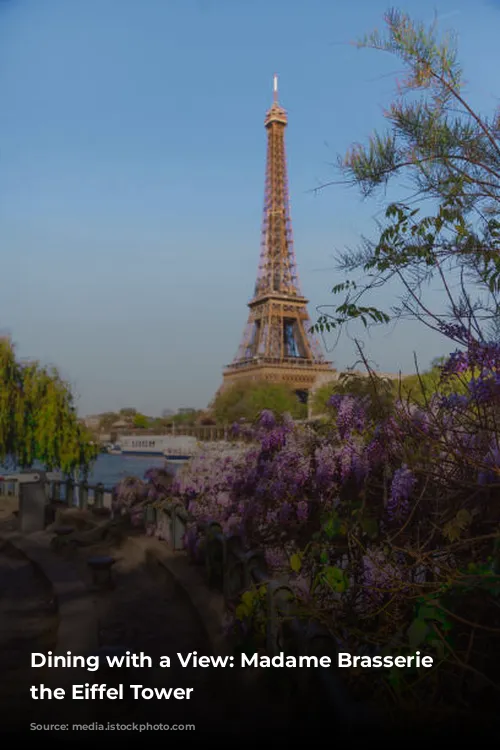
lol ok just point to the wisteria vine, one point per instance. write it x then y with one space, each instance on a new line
376 524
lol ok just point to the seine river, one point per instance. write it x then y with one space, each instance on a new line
111 469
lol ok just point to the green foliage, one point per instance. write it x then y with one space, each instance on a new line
128 412
482 576
251 612
248 398
334 578
185 418
157 424
419 388
333 526
379 392
430 627
141 421
448 153
38 421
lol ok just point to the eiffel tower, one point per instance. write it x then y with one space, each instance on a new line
277 345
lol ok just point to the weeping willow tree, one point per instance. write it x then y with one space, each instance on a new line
38 420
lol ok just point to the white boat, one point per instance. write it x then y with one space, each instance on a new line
172 447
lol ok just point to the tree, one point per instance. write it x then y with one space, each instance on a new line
421 387
452 156
128 412
378 392
247 399
140 421
156 423
107 420
187 418
38 420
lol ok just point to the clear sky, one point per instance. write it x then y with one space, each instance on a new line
132 153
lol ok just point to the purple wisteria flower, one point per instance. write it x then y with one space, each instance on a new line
456 331
454 401
288 473
326 465
267 419
130 492
375 453
351 460
351 413
285 512
335 400
403 484
485 387
302 510
274 439
479 355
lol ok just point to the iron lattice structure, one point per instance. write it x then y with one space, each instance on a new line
277 344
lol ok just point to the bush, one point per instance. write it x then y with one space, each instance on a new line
246 399
389 529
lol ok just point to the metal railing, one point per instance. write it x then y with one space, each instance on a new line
203 433
73 493
303 362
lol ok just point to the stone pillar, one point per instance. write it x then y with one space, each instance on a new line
99 495
83 495
32 504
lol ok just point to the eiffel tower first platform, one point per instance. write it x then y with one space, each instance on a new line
277 345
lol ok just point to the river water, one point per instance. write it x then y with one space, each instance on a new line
111 469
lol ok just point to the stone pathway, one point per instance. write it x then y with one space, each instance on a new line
146 611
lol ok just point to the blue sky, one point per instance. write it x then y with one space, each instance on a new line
132 153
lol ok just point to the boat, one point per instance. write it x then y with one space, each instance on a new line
138 445
171 447
176 458
114 450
